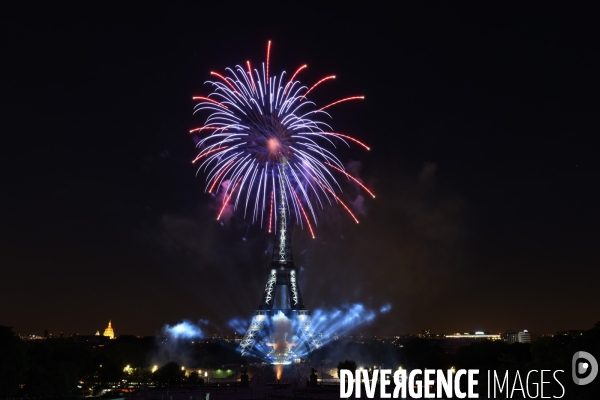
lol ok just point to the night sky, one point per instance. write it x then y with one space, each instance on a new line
483 124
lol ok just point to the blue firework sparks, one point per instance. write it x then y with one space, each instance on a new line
263 139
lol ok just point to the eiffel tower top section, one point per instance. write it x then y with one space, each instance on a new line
282 249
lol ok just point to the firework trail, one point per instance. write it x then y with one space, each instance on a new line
267 140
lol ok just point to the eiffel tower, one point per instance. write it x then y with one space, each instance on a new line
281 296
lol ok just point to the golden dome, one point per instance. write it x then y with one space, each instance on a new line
109 331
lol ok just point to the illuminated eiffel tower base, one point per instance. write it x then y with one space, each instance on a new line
281 300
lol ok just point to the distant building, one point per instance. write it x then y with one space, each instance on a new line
511 337
475 336
32 337
109 331
523 336
453 342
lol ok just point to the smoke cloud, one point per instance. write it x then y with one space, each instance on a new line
184 330
174 345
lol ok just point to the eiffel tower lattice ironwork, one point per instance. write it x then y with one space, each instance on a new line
281 294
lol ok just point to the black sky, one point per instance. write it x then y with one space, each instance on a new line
483 124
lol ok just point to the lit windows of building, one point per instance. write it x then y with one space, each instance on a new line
524 336
517 337
511 337
475 335
452 343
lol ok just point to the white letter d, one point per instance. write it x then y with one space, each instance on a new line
346 390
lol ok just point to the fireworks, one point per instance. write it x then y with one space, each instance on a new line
265 142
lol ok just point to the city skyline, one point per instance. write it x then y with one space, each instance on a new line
482 125
216 334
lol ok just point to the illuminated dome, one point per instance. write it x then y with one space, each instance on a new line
109 331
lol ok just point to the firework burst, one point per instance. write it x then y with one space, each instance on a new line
267 140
